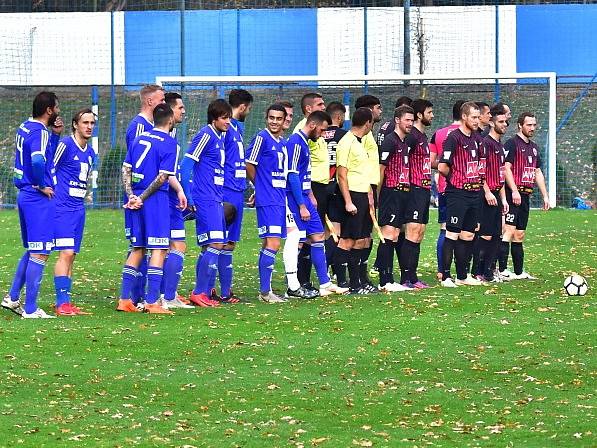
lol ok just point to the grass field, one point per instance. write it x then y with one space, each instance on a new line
509 365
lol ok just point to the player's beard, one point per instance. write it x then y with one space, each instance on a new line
52 119
425 122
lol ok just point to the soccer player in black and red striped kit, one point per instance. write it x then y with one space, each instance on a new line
460 166
494 203
522 172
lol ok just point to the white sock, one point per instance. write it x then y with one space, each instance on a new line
290 255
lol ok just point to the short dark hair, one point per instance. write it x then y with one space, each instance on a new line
319 116
218 108
335 107
42 101
468 107
78 114
307 98
287 104
362 116
237 97
277 107
171 97
456 115
401 111
502 105
524 115
419 106
403 100
497 110
161 114
369 101
481 105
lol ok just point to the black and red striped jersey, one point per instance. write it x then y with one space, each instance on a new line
525 159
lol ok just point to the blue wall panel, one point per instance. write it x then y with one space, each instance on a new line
558 38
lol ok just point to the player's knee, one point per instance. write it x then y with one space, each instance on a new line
487 237
466 236
272 243
180 246
317 237
67 256
452 235
346 243
518 236
230 245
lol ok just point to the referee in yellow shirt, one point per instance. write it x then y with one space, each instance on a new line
364 245
353 174
320 177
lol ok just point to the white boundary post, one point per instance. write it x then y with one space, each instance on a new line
392 78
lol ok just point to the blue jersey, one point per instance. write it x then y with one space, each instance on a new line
73 165
207 150
151 153
268 154
173 196
299 159
137 126
33 138
235 173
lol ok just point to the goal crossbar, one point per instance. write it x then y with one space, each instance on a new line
392 78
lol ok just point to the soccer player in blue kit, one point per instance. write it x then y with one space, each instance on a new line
235 184
150 162
204 163
35 142
73 161
266 168
150 95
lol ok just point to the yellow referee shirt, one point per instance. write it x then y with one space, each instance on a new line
373 158
352 155
320 160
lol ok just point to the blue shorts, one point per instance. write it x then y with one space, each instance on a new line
442 208
68 230
209 223
271 221
306 228
36 215
150 225
236 198
177 229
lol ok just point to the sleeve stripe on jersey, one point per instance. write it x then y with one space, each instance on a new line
295 158
200 146
45 136
59 152
171 173
140 129
256 148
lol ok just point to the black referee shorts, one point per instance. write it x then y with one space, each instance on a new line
392 207
462 210
320 191
354 226
417 210
518 215
491 218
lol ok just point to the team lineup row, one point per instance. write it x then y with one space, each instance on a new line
322 188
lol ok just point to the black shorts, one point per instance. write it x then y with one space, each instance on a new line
336 210
392 207
518 215
462 210
417 210
442 213
353 226
368 221
491 218
320 191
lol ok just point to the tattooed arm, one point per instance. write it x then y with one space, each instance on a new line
154 185
126 180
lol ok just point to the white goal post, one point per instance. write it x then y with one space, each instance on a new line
380 79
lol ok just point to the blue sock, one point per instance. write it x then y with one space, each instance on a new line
138 294
129 281
440 250
154 280
172 273
225 272
33 276
62 285
267 259
319 261
19 279
206 268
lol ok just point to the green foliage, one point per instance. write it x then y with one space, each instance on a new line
506 365
8 192
109 176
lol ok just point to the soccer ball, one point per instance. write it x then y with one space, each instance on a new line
575 285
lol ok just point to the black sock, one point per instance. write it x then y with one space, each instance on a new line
490 248
461 256
482 248
398 245
413 260
476 268
447 254
340 261
330 247
354 261
404 261
517 257
304 265
363 269
385 259
503 255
